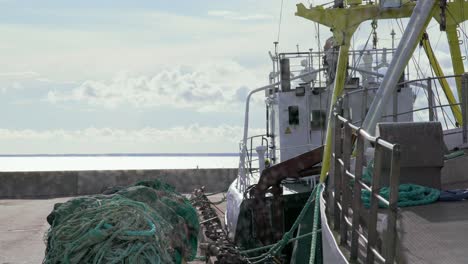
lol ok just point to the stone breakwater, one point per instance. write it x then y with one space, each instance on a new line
27 185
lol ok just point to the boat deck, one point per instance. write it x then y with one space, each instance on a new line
435 233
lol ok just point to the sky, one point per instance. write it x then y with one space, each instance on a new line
147 76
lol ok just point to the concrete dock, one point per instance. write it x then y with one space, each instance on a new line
53 184
22 228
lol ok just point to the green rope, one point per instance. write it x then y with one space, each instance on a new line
454 154
200 258
254 250
313 247
408 195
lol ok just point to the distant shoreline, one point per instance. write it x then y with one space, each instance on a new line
126 155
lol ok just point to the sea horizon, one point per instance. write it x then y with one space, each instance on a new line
222 154
117 161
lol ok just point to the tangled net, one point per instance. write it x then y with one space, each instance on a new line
146 223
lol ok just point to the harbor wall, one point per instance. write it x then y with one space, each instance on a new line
25 185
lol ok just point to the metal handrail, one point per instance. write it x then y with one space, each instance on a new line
250 153
341 175
431 78
341 195
421 109
405 85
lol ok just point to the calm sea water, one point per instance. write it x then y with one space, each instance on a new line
116 162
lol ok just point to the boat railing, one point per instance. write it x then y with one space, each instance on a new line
248 153
314 60
346 204
431 108
460 107
346 185
253 142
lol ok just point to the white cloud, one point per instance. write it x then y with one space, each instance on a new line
19 75
11 81
193 138
237 16
142 40
209 87
11 86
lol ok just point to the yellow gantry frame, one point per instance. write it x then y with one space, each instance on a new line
344 21
443 81
456 13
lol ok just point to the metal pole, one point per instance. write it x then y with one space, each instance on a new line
391 239
364 105
430 99
465 106
346 197
242 175
285 72
395 106
357 196
366 71
418 22
336 176
273 131
374 203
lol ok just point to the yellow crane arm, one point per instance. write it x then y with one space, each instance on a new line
443 81
455 14
338 88
455 53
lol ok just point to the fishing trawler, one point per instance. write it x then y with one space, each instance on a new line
363 157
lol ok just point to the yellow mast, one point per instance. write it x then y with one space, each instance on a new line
443 82
455 12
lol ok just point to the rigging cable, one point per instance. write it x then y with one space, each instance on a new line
435 48
418 70
438 99
419 73
444 114
280 20
319 44
359 58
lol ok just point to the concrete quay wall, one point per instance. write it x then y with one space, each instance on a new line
25 185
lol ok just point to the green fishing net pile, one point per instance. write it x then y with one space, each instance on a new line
146 223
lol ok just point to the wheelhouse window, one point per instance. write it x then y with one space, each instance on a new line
293 115
317 118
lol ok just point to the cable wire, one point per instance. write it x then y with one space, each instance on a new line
280 20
